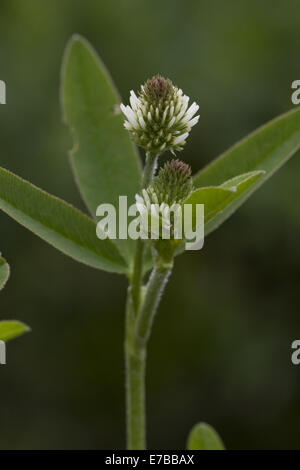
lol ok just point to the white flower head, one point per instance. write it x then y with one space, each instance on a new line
160 205
160 117
156 220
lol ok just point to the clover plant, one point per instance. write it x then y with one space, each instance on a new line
106 164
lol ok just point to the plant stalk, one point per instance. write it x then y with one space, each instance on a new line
139 318
135 359
137 334
155 289
136 281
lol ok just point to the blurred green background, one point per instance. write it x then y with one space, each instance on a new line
221 344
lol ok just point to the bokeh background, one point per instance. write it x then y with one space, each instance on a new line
221 344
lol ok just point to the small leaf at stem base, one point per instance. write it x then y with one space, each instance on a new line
204 437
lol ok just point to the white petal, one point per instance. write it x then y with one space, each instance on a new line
190 112
142 209
193 108
146 198
166 212
131 116
180 138
171 122
123 109
178 106
183 108
141 120
143 109
193 121
165 114
155 210
139 199
134 101
127 125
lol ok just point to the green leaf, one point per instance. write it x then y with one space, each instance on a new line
104 159
214 199
268 148
241 181
217 198
4 272
240 185
204 437
11 329
58 223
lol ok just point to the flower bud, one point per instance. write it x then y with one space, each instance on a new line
159 119
173 183
161 202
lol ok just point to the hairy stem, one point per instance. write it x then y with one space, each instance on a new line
139 319
136 415
135 384
155 288
138 330
136 281
149 169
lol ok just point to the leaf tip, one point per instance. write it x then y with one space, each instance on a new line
204 437
11 329
76 37
4 272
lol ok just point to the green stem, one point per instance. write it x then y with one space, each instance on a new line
136 281
136 416
137 333
137 276
149 169
135 384
139 318
155 288
134 355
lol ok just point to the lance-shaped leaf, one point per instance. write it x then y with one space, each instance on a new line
4 272
217 198
105 161
58 223
214 199
204 437
10 329
267 149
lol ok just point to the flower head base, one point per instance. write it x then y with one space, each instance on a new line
160 204
159 119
